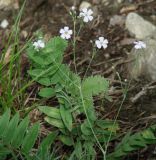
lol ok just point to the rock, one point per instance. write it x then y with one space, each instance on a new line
139 27
106 2
144 63
84 4
4 24
8 4
117 20
120 1
96 1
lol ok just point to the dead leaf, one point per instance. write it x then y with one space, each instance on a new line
128 9
7 56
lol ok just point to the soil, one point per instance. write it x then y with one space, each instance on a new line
51 15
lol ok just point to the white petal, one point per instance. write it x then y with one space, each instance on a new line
62 31
35 44
90 18
63 36
70 32
101 39
81 14
84 10
42 45
105 41
104 46
90 12
137 47
144 45
85 19
98 44
68 36
66 28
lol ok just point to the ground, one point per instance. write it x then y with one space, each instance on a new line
51 15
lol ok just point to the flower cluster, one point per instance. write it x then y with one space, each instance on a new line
87 16
39 44
139 45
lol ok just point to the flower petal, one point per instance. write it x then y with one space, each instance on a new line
70 32
85 19
84 10
90 18
66 28
62 31
101 39
90 12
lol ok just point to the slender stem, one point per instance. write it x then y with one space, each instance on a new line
74 43
93 55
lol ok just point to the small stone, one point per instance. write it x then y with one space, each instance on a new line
24 34
4 24
120 1
8 4
84 4
144 63
117 20
139 27
106 2
96 1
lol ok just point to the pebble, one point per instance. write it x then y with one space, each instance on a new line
139 27
84 4
117 20
8 4
4 24
144 61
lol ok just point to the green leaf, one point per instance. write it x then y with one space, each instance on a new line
10 131
20 132
78 149
47 92
108 124
66 117
55 122
4 152
44 81
67 140
94 85
30 138
45 146
4 120
55 47
148 134
50 111
85 128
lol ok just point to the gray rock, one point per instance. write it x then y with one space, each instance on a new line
139 27
8 4
117 20
84 4
144 63
106 2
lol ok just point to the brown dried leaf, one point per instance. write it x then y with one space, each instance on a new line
129 8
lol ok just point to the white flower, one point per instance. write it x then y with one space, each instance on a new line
66 33
4 24
101 42
39 44
139 45
86 14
